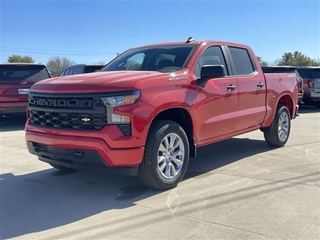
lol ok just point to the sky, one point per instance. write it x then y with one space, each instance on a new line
94 31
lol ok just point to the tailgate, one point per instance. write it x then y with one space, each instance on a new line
14 91
16 80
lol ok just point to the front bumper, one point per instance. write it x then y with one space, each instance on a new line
13 108
77 159
315 95
83 152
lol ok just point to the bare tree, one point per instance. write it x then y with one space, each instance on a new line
56 64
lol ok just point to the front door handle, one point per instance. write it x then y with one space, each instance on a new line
260 85
231 87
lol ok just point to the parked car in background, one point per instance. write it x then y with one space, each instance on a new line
311 84
81 68
15 81
287 69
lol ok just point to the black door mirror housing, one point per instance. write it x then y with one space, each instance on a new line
209 72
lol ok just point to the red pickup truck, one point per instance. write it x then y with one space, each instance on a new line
147 111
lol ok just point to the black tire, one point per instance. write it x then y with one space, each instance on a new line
279 132
166 156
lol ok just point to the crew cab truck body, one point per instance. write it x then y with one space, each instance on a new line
149 109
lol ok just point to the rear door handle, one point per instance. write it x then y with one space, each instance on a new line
231 87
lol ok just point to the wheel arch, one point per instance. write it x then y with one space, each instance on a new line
288 101
285 100
182 117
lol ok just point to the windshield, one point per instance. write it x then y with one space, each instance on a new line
158 58
23 72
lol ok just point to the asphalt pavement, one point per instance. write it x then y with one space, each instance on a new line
235 189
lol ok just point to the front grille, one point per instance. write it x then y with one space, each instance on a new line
72 111
68 120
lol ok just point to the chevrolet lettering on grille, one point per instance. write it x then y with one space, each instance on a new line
60 102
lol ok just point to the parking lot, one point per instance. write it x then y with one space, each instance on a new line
235 189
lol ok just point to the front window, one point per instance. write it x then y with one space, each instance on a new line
211 56
158 58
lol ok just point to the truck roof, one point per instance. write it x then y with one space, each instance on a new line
195 42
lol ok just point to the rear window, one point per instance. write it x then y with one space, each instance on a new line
316 73
241 60
25 72
89 69
305 72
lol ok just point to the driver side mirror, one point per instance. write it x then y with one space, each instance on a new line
208 72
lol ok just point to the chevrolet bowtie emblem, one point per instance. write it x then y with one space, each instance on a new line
85 119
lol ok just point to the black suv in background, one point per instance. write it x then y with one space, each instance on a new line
287 69
81 68
311 84
15 82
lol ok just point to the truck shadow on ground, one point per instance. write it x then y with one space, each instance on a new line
222 153
51 198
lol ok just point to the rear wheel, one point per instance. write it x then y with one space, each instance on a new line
279 132
166 156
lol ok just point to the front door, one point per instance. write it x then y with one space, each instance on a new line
216 102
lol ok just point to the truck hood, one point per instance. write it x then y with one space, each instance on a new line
95 82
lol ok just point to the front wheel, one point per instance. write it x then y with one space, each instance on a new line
279 132
166 156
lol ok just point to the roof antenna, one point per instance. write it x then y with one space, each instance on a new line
190 39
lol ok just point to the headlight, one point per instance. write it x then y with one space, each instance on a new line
117 101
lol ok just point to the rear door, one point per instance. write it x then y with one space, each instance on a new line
251 88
